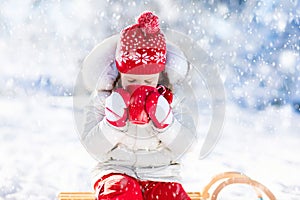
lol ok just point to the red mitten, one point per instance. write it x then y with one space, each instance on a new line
137 111
159 109
116 107
166 92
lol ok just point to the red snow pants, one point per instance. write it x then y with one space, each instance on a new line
122 187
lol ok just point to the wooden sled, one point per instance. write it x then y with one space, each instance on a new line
221 180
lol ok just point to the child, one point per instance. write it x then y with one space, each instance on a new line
131 126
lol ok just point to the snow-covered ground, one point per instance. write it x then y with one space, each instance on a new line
262 145
43 43
41 154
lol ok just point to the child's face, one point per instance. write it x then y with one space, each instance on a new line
133 79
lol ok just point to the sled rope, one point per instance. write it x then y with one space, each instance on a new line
226 178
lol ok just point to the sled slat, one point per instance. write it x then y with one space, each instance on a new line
76 196
91 195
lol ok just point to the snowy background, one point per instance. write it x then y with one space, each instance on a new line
42 44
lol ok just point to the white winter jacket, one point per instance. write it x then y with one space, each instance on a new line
141 151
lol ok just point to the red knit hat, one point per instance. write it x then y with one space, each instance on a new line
142 47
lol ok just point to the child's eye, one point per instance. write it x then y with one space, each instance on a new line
131 80
148 81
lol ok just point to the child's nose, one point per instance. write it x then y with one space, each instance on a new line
141 82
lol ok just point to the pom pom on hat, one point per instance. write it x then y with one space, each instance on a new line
148 22
142 47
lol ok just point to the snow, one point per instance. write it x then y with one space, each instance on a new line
287 61
43 43
263 146
41 154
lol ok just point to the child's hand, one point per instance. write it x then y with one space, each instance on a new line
116 107
158 107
